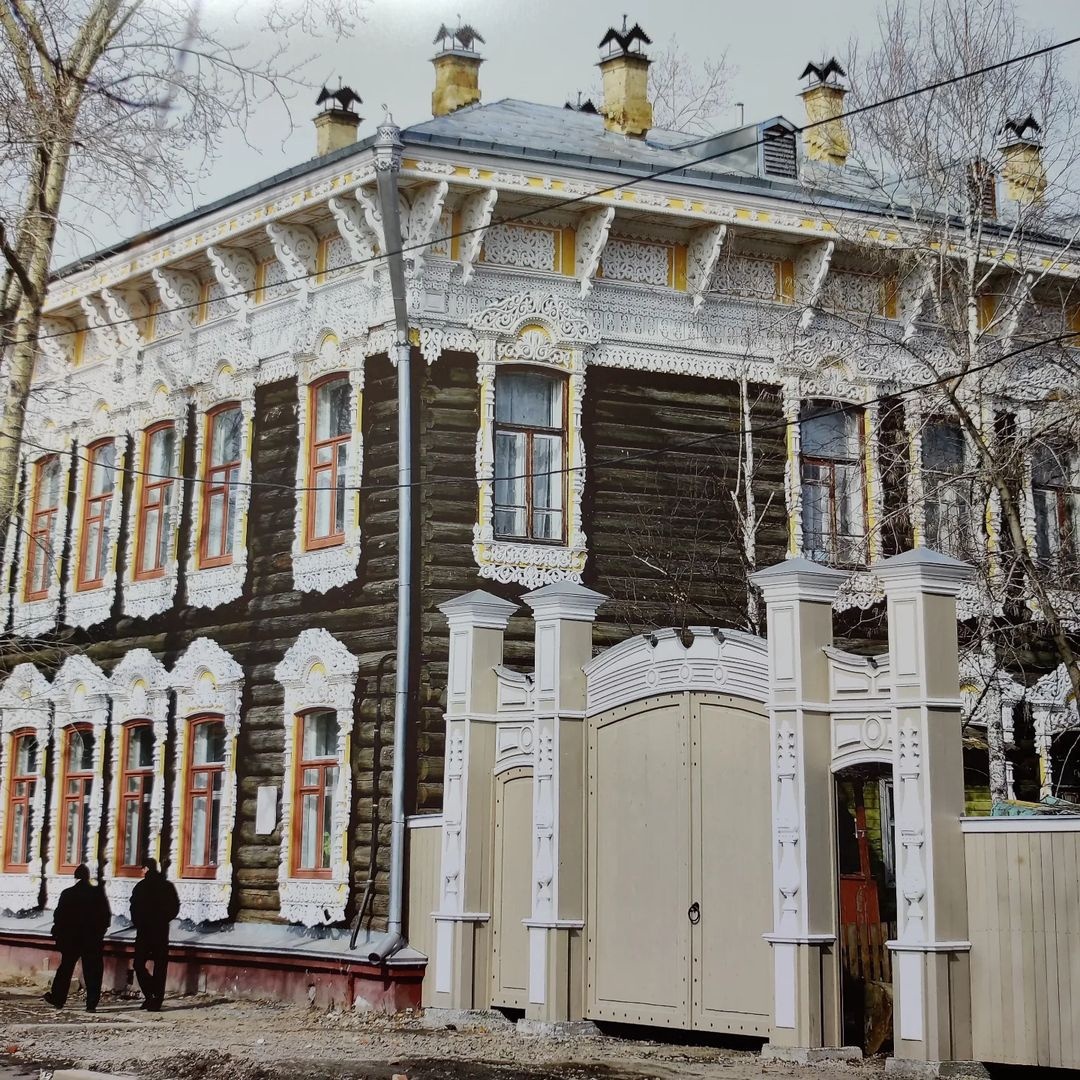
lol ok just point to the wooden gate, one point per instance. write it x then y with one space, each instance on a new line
512 894
680 864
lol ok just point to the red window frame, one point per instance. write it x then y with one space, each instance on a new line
218 480
73 803
96 510
25 800
42 522
300 789
316 470
144 774
191 792
153 496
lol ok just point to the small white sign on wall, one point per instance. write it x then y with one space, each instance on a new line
266 810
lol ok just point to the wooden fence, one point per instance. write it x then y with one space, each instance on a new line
425 840
1023 883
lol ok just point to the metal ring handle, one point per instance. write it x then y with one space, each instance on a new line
693 913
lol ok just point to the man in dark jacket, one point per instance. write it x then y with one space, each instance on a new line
154 904
79 926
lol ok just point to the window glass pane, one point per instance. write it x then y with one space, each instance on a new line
215 516
26 755
215 820
161 531
49 484
140 747
225 436
103 545
20 834
132 808
210 743
159 456
529 399
80 750
547 472
1049 466
332 410
510 483
943 448
91 544
339 500
309 831
1047 524
323 498
151 540
826 433
72 833
103 471
230 520
320 735
197 846
815 515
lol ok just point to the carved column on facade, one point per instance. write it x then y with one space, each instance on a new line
930 974
563 613
806 1007
792 403
477 621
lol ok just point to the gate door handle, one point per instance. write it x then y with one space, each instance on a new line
693 913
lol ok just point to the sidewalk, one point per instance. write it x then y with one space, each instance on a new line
204 1038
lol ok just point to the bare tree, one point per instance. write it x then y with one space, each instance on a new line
685 97
101 104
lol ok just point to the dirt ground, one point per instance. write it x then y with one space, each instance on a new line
208 1038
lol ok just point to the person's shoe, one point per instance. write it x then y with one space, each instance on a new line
144 1004
47 996
153 1006
91 1008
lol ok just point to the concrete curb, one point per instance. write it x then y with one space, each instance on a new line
83 1074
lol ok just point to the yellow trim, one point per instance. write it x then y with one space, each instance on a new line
988 305
320 260
785 281
455 238
78 348
260 282
568 264
743 215
679 267
890 297
202 312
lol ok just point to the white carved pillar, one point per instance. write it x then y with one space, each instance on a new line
806 1005
932 994
477 621
563 613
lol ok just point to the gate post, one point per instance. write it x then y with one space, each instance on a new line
564 613
806 1018
477 621
931 977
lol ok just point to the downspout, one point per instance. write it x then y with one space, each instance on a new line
388 147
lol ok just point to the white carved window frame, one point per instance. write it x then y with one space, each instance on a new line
207 682
88 607
80 695
24 704
144 597
33 617
323 568
318 672
212 586
139 689
537 331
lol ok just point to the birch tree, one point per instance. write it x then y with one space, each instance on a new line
114 104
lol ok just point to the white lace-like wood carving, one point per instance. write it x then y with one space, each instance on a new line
811 271
87 607
24 706
80 695
354 230
637 262
592 235
424 216
521 247
476 211
746 276
207 682
322 568
911 829
57 343
702 255
126 310
99 328
139 689
181 293
216 585
297 249
236 270
318 672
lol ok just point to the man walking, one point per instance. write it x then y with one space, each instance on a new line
79 925
154 904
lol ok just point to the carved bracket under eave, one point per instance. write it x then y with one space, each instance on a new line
913 296
592 234
56 341
1016 301
476 211
296 247
702 254
811 270
98 323
235 270
424 216
180 292
354 230
126 310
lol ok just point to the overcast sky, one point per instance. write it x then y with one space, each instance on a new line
545 51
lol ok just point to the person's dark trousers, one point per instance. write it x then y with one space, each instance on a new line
93 967
156 952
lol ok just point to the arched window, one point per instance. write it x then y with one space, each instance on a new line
76 786
136 788
530 455
316 781
22 783
833 487
331 412
41 534
94 538
203 790
153 539
224 446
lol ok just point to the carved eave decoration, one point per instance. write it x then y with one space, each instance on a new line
541 329
207 681
24 705
211 587
319 569
80 695
139 689
317 672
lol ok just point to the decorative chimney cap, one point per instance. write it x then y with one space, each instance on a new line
619 42
822 72
1018 129
585 106
464 37
345 97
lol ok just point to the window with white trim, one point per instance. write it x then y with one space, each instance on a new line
947 491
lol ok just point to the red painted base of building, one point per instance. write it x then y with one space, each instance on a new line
322 982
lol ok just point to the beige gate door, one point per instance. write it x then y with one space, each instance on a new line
512 895
638 948
680 864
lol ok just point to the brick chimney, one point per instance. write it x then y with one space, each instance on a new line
457 69
823 97
1023 170
336 125
625 70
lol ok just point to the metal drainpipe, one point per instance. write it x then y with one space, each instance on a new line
388 147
